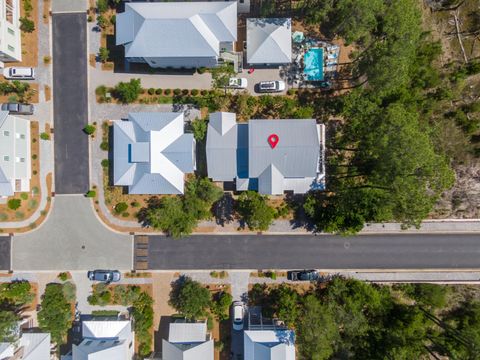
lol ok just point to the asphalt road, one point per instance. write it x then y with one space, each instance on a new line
72 238
70 104
5 246
442 251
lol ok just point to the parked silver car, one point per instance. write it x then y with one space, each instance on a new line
106 276
17 108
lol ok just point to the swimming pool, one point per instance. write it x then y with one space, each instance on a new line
313 64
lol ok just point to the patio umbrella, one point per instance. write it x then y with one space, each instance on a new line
298 37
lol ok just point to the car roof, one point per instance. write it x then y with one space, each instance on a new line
238 311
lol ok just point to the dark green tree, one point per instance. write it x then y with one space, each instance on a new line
254 210
317 332
55 315
8 326
190 298
170 216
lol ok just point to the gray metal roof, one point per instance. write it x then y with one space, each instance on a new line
269 41
227 144
187 351
243 153
177 29
296 153
151 153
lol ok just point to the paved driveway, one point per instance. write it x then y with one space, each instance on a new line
412 251
70 103
72 239
5 243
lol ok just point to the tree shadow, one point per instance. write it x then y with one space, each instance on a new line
223 209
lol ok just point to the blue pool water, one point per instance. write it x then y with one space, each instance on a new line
313 64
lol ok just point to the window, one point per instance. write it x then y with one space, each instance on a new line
6 158
22 160
11 48
130 345
6 133
88 343
22 136
10 31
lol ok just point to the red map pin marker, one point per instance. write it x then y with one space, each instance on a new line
273 140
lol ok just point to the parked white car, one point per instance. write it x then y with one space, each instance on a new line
19 73
271 86
238 314
238 83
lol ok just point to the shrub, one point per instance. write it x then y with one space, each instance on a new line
47 59
14 204
89 18
209 323
121 207
203 92
125 214
32 203
92 299
34 157
104 145
16 292
185 92
219 345
35 190
128 92
104 298
177 92
91 194
45 136
167 91
290 91
103 54
113 19
220 305
159 91
101 90
194 92
105 163
89 129
19 215
105 313
151 91
102 6
135 204
201 70
63 276
27 25
24 196
70 291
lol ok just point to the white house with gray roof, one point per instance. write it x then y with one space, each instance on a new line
151 153
30 346
104 340
15 165
269 41
244 153
177 34
187 341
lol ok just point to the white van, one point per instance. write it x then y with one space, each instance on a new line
19 73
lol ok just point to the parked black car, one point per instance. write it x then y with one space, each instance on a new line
19 109
303 275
